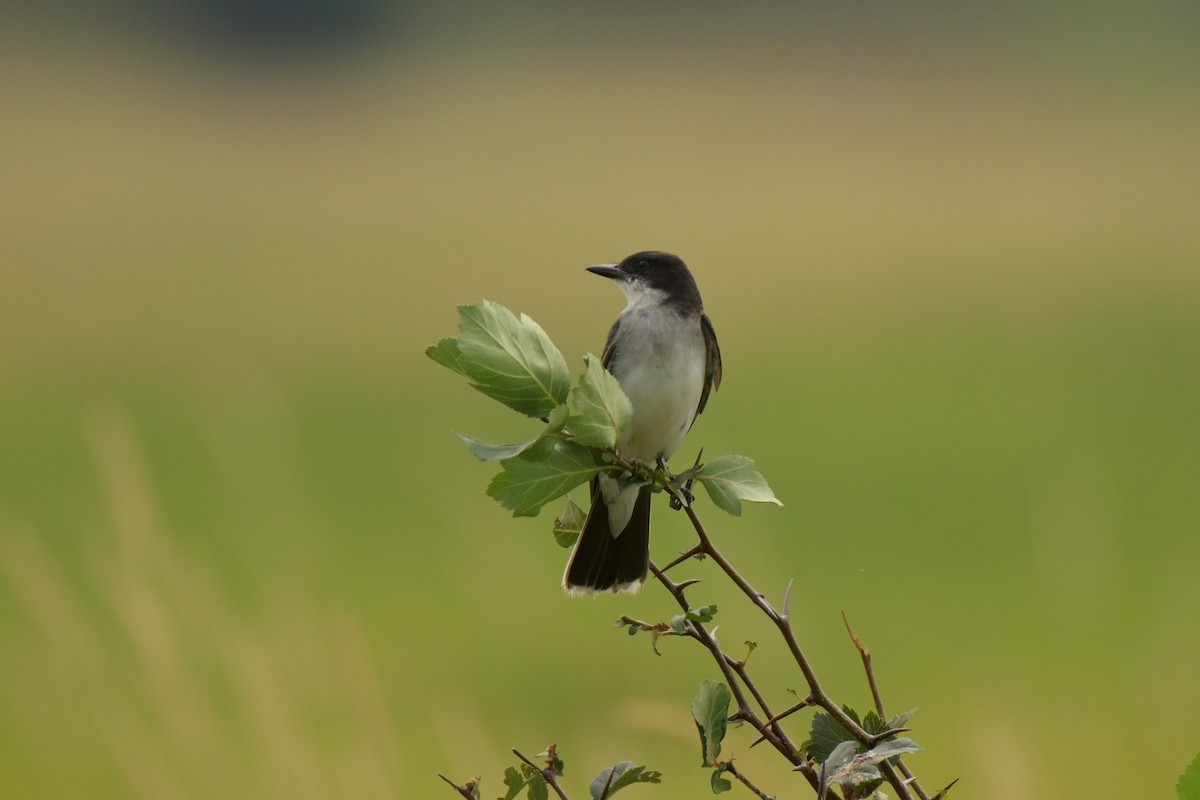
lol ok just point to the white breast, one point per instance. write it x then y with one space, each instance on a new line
662 371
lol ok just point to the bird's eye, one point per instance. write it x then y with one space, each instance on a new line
643 265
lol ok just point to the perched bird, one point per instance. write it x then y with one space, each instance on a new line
663 351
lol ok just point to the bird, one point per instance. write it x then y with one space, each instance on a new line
663 351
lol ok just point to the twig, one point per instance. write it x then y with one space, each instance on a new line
468 790
732 770
773 719
547 773
817 694
608 783
695 551
912 781
865 653
772 733
784 625
783 715
866 659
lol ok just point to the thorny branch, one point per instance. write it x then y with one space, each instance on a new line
547 773
901 779
752 705
470 791
757 792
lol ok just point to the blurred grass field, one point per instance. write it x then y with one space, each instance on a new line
956 279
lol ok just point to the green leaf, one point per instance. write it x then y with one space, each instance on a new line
710 709
535 449
891 748
509 359
860 772
731 479
541 448
447 354
514 781
625 773
827 733
525 486
900 719
486 451
719 782
568 524
656 631
838 758
1188 787
538 788
599 408
873 723
702 614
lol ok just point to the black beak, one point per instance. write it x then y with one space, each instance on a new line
608 271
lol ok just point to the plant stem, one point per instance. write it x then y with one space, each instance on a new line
817 694
866 659
732 770
548 774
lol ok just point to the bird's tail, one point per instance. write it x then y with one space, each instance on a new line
602 562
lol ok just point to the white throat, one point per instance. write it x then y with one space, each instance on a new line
640 295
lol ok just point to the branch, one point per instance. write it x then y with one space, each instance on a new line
700 633
547 773
732 770
870 670
817 694
866 659
470 791
769 731
783 715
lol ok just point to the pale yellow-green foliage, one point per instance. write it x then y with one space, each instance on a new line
185 695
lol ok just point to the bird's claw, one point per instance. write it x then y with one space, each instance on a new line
682 496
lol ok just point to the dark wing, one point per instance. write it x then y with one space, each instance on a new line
712 367
610 345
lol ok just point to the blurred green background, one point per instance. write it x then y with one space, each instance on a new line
953 255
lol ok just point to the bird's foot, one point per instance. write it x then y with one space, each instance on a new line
682 496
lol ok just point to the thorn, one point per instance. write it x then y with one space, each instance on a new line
887 735
787 599
687 486
945 791
695 551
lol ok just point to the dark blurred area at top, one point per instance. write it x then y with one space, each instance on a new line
240 28
263 29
